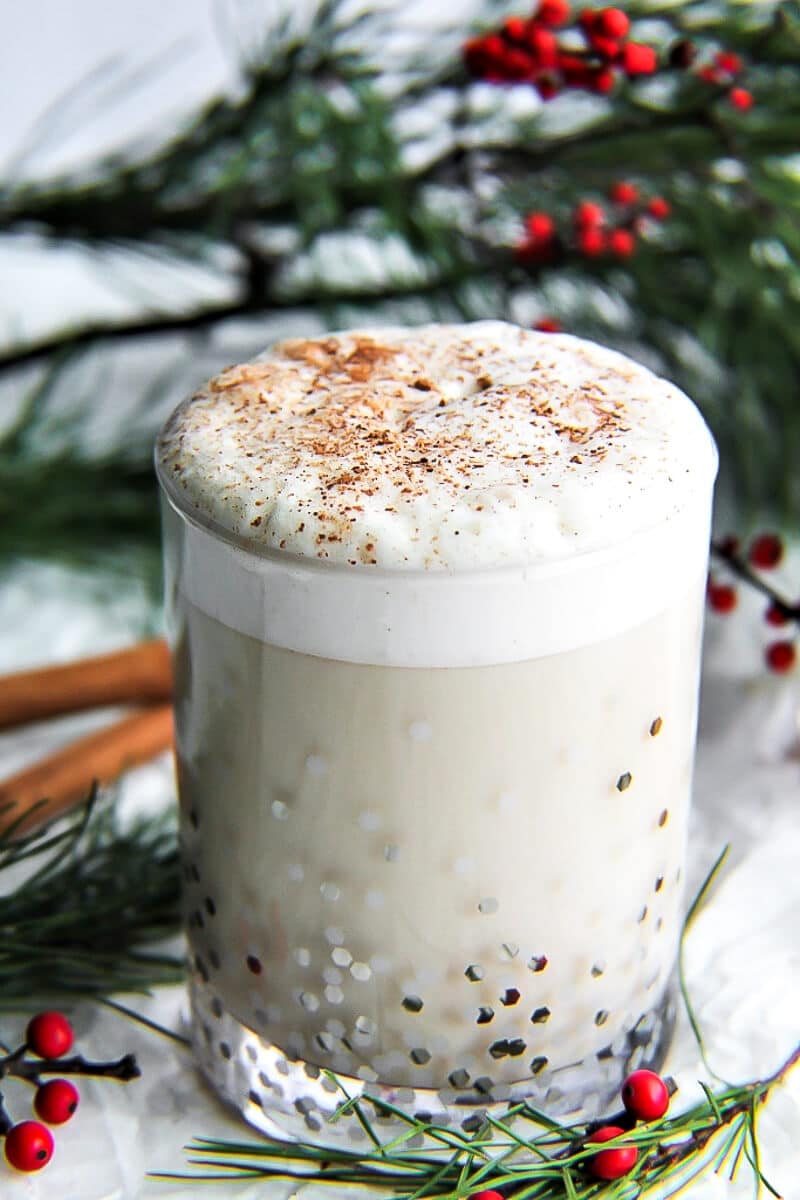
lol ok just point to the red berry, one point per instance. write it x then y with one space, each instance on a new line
766 551
574 69
530 251
517 65
540 226
494 47
56 1101
659 208
722 597
29 1146
547 87
487 1194
515 28
728 62
611 1164
484 56
527 251
553 13
548 325
645 1095
589 215
624 192
621 243
49 1034
740 98
781 657
709 75
638 60
603 81
612 22
606 47
587 19
775 616
543 46
477 56
591 242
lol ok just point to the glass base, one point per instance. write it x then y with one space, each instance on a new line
289 1099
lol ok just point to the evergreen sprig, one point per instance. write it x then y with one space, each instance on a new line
86 906
337 189
527 1154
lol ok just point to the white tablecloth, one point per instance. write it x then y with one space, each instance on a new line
743 953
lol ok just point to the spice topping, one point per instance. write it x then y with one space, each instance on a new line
437 447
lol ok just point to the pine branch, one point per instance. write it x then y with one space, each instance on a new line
548 1160
92 908
123 331
98 515
205 318
314 146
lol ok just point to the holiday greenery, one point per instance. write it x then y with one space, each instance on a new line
86 906
122 885
625 173
522 1151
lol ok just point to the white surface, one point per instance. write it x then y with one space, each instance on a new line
744 959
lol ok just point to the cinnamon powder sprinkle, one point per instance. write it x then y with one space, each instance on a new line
475 444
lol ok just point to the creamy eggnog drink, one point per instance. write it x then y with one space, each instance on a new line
437 598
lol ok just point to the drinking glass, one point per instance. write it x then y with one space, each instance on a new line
433 823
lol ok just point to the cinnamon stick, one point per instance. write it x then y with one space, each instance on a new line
55 784
139 675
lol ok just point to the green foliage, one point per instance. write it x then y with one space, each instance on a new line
84 906
335 191
524 1151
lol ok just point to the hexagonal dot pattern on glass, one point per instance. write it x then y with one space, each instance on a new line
401 931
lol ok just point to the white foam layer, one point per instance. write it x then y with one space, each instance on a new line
437 618
446 447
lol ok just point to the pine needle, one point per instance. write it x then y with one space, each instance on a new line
88 920
549 1163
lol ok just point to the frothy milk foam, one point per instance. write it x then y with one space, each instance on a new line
437 598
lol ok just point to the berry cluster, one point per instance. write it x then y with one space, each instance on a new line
594 53
646 1098
29 1144
764 553
720 72
593 230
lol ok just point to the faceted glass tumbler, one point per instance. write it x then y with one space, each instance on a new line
433 825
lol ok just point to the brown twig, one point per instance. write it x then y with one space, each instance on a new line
442 284
699 1138
31 1069
740 567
